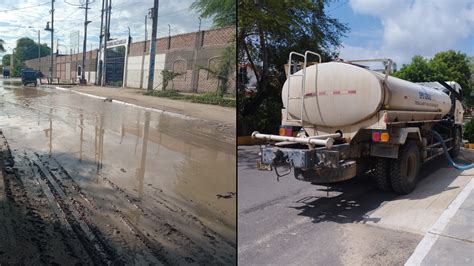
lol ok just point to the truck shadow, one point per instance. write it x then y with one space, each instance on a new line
247 157
352 201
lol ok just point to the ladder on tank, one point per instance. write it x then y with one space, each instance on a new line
303 83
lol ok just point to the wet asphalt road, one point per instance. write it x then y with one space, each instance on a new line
159 187
296 223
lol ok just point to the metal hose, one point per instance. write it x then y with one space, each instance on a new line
457 166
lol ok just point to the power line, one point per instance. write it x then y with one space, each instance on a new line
81 3
26 7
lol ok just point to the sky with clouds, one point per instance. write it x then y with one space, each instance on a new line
70 19
400 29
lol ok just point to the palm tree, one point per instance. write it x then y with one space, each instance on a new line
2 49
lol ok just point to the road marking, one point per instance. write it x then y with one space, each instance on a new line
132 105
430 238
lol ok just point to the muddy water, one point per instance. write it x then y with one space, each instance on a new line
148 155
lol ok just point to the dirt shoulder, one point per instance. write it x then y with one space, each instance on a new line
219 114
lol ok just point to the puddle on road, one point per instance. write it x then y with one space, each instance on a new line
146 154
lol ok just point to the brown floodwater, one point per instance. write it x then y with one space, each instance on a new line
190 162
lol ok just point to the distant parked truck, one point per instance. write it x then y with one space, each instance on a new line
353 120
6 72
29 76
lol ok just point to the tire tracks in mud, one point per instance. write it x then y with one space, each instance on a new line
99 251
164 233
33 237
79 228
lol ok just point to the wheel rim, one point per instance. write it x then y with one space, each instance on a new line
411 168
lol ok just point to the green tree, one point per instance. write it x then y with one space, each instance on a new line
27 49
417 71
169 75
2 49
6 60
451 65
447 66
267 32
222 12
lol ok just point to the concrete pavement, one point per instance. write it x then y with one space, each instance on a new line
451 239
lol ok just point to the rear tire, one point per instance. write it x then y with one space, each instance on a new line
404 170
381 174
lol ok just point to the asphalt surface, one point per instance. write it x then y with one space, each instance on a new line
349 223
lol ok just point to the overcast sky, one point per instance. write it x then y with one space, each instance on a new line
70 19
399 29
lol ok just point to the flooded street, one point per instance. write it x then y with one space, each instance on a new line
116 184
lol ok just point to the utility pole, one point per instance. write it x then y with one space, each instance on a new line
169 36
39 51
199 24
98 73
104 62
144 52
52 41
151 68
84 46
108 23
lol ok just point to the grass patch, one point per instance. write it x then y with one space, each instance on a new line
206 98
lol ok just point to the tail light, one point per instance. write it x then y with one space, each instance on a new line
384 137
375 136
286 131
282 131
379 136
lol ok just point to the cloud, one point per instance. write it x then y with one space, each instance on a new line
415 27
70 19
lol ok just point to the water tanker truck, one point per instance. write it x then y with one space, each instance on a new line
353 120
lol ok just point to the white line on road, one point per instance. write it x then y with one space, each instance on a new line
430 238
133 105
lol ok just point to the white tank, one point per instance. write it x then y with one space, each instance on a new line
340 94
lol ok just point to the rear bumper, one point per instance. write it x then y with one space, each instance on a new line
321 165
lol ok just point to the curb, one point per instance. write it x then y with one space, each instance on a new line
132 105
433 234
469 145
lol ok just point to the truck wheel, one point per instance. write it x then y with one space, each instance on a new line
381 174
454 152
404 170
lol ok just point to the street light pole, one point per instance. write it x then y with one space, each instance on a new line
100 53
84 47
52 42
144 53
151 68
39 51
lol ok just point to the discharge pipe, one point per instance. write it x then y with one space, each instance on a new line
457 166
324 140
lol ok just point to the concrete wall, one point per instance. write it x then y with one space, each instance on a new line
185 53
137 77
